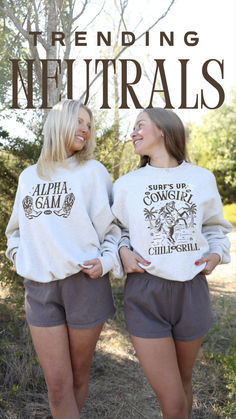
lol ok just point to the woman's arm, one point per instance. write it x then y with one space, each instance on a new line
103 221
12 230
215 228
130 260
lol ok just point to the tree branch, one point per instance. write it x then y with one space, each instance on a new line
81 12
9 13
126 46
91 21
123 7
36 16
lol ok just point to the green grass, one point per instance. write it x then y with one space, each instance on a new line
220 357
230 213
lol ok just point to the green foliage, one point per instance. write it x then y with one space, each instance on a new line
130 161
213 146
219 349
15 155
228 363
23 152
225 368
113 150
11 46
18 361
118 157
230 213
106 148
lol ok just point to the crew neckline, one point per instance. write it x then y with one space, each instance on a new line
69 162
180 166
70 158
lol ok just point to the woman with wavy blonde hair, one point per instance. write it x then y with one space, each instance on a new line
58 131
62 241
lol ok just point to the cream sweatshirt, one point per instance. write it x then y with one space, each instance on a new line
171 217
56 225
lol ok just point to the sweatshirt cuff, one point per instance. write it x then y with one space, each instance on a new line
124 242
107 263
10 253
216 250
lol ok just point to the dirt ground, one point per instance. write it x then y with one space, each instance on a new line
223 279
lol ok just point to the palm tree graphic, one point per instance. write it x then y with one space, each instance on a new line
190 210
150 215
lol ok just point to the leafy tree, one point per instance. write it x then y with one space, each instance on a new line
37 16
11 46
213 146
115 152
15 154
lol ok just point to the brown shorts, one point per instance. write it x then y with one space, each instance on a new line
78 301
158 308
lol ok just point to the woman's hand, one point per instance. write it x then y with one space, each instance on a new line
212 260
130 260
96 270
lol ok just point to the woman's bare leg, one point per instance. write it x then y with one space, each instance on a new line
186 355
82 346
52 347
159 362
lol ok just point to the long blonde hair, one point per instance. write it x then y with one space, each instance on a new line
59 132
173 130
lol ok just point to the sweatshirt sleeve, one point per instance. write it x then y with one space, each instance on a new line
103 221
12 230
119 209
124 240
215 227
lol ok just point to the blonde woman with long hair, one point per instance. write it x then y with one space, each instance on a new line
62 241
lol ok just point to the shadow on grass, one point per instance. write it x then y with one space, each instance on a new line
216 289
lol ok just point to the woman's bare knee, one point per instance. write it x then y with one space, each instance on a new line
80 379
187 382
58 390
176 410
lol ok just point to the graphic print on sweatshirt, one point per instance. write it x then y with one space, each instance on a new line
170 213
48 198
